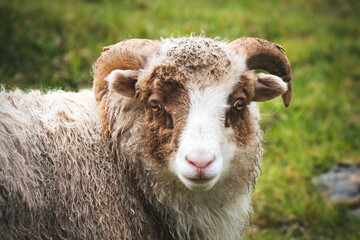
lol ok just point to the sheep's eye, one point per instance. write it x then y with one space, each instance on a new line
155 106
239 104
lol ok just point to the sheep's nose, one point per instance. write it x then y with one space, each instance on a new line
200 162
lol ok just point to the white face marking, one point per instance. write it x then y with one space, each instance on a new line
204 149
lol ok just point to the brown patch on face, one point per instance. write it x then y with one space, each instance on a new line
240 119
166 111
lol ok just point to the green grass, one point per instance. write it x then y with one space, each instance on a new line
52 44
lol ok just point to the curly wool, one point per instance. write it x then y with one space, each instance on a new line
198 55
57 178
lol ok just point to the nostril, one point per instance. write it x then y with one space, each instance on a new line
200 162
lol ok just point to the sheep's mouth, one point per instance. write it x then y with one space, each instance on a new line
199 184
200 180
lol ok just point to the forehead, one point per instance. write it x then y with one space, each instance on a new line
196 56
195 62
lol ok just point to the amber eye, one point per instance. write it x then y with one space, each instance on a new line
155 106
239 104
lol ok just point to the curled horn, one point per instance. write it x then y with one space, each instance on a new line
262 54
128 54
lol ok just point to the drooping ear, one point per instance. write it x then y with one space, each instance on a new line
123 82
268 86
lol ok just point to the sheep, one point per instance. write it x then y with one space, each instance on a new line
167 144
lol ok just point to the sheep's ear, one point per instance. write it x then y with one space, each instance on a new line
268 86
123 82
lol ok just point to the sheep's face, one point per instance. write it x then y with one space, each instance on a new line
197 97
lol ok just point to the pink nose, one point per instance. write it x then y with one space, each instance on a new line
200 162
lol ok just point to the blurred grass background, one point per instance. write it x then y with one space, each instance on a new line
53 44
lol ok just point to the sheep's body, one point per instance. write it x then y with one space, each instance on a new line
59 178
105 166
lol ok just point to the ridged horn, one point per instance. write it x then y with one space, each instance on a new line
128 54
262 54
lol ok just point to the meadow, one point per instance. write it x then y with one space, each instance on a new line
53 44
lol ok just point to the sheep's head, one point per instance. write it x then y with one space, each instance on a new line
197 95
